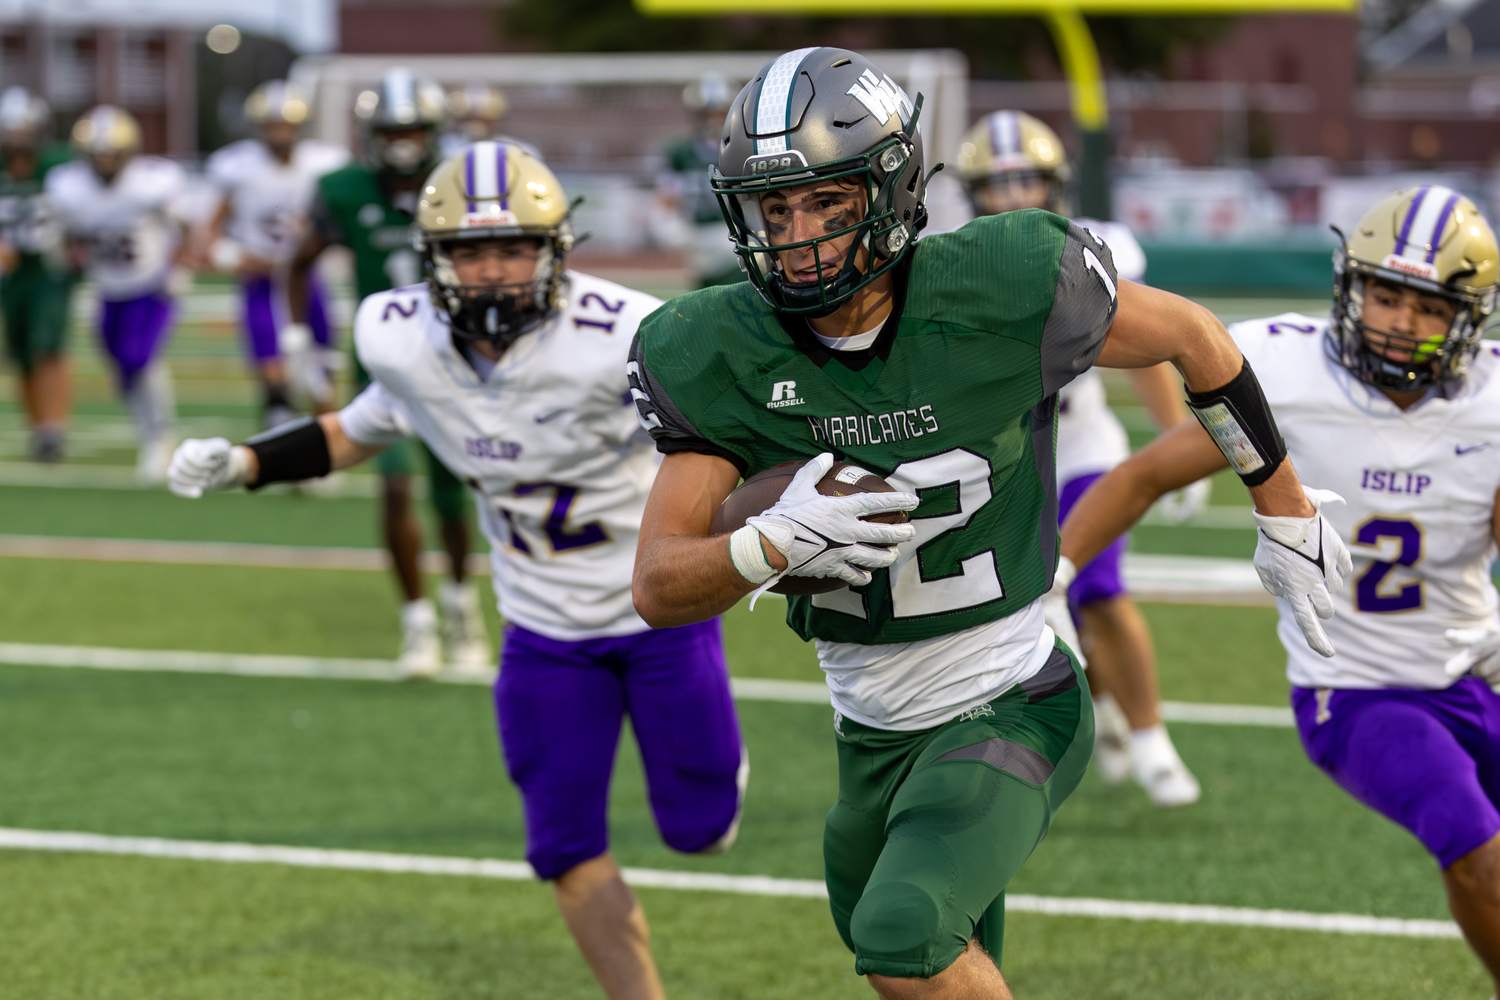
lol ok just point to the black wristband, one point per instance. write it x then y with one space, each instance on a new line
1239 420
291 453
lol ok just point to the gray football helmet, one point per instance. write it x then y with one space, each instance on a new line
404 102
810 115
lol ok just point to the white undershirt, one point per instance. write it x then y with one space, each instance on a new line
858 342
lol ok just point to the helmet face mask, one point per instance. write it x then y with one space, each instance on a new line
818 116
1413 289
499 214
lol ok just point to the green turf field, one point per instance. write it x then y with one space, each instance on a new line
416 768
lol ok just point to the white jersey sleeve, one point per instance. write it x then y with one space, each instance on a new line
1420 489
549 442
375 418
269 200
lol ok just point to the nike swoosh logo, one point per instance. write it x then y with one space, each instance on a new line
543 418
1459 449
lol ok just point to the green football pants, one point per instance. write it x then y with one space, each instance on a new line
34 301
930 826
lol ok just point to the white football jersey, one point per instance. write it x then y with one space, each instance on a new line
132 226
269 199
1089 437
549 440
1419 487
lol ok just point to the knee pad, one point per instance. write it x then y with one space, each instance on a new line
895 928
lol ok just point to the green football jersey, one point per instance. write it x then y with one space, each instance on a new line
353 209
955 401
25 221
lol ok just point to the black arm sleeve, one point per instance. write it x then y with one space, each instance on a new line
1238 418
291 453
669 428
1083 307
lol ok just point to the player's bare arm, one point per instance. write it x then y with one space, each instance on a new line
682 574
1152 326
1118 499
307 255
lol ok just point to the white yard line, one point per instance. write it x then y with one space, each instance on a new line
1170 579
754 885
332 668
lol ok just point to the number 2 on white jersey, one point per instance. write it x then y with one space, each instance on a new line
913 593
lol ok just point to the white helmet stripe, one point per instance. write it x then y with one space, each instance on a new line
1421 232
774 108
483 170
401 94
1005 133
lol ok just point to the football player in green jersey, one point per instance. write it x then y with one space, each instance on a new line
35 279
689 218
961 719
368 207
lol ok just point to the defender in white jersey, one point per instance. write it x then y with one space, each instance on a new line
1394 404
124 216
513 371
266 186
1010 161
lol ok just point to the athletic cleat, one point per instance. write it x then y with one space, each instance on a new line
47 445
153 458
421 649
1111 740
1156 767
469 652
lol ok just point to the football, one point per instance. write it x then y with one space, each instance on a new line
760 492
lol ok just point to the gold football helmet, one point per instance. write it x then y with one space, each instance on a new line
1431 239
277 101
494 191
476 109
1007 152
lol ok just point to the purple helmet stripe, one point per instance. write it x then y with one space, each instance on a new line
500 185
1442 223
1411 217
469 175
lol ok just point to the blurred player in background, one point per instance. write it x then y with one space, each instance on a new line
266 185
125 219
513 370
368 207
36 280
1394 404
690 219
474 114
1010 161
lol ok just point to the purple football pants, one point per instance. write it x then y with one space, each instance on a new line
260 311
134 331
1101 579
560 706
1428 760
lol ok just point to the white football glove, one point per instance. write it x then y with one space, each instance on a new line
824 536
1055 608
202 464
1479 656
1181 506
1302 560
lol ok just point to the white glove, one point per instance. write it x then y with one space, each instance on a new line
824 536
201 464
1055 608
1479 657
1181 506
1302 560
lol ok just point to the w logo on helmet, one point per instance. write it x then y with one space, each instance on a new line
881 96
